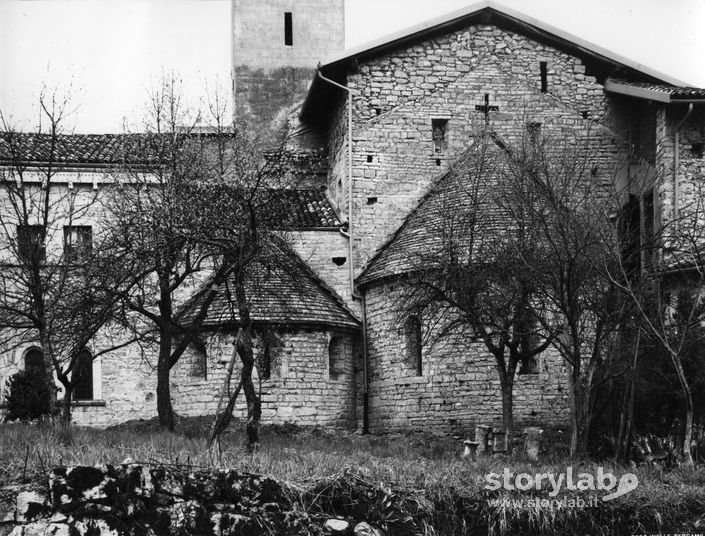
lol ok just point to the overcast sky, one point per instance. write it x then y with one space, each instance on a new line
107 52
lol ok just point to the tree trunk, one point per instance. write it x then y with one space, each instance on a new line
688 436
579 415
164 407
627 415
688 395
254 404
507 406
49 374
66 406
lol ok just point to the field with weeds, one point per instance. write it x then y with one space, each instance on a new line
408 484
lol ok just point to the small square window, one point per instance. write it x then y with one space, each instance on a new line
78 242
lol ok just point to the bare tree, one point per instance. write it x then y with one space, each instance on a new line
662 272
191 213
47 275
240 215
471 277
150 232
575 239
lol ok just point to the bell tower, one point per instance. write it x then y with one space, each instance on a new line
276 46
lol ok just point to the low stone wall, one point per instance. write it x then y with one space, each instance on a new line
134 499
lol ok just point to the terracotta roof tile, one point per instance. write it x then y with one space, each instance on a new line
287 294
412 246
675 92
304 208
67 149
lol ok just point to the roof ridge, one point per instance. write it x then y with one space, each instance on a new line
456 16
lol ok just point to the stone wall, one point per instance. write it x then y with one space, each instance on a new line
459 385
446 78
691 168
322 251
302 388
124 383
269 75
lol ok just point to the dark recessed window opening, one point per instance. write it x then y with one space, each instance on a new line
697 150
78 242
336 357
530 366
30 243
339 261
83 376
544 76
594 171
414 344
439 129
378 111
438 161
534 129
369 158
288 30
585 114
648 226
629 239
371 200
200 363
34 363
267 361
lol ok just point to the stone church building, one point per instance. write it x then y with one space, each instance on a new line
391 118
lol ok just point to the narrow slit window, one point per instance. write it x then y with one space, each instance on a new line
288 29
439 129
544 76
414 345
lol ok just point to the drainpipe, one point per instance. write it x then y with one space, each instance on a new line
349 235
676 163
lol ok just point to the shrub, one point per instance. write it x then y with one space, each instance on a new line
27 396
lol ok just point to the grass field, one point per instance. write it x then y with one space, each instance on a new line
430 467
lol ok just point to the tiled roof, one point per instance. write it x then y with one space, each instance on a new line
306 209
67 149
676 92
413 245
286 293
296 208
661 92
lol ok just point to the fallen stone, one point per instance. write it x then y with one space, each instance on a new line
365 529
337 526
30 505
41 528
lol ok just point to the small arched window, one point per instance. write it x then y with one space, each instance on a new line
269 354
34 362
83 376
414 344
336 356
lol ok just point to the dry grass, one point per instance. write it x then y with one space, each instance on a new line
424 474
